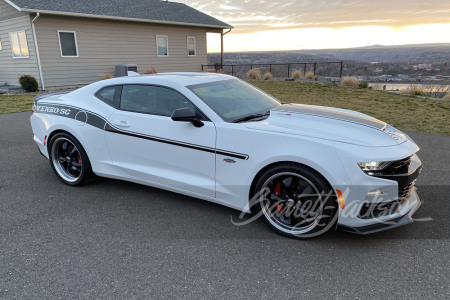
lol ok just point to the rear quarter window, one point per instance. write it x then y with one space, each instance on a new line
110 95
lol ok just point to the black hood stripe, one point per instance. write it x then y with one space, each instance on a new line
99 122
332 114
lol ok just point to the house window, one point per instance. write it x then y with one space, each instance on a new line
192 47
19 44
68 43
162 44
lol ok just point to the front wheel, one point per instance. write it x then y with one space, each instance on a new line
69 161
295 201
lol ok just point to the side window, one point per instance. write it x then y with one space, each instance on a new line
152 100
68 43
162 45
19 44
110 95
191 45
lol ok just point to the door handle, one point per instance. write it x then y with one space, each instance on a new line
122 124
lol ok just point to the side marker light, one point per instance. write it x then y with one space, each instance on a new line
341 199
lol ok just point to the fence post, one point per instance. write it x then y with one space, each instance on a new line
232 70
251 67
289 70
270 68
342 68
202 68
315 68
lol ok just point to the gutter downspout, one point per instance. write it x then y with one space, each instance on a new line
37 50
221 46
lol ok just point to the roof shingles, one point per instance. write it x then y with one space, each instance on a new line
146 10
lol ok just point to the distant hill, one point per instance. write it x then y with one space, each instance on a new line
426 53
409 54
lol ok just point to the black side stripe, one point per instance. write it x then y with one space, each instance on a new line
109 128
99 122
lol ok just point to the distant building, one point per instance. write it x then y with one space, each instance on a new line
386 78
422 67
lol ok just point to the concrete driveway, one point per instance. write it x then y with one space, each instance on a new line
118 240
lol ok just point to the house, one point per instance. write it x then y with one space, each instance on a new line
72 42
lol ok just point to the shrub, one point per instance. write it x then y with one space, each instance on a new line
447 96
254 75
417 92
106 76
28 83
413 90
363 85
309 75
297 74
350 82
151 71
316 78
268 76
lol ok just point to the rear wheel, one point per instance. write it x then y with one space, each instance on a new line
295 201
69 161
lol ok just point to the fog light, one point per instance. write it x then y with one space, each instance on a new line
375 193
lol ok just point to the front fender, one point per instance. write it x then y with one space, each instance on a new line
264 148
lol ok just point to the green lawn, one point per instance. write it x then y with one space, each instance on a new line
15 103
403 112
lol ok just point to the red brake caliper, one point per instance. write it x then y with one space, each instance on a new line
80 161
277 191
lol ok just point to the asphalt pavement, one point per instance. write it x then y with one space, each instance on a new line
119 240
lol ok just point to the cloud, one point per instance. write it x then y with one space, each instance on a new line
261 15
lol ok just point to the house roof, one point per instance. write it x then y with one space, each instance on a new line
154 11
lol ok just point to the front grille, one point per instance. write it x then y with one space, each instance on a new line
376 210
405 192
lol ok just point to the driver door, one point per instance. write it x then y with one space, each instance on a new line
145 143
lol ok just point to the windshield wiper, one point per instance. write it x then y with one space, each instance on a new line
251 117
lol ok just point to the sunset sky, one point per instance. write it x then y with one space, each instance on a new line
320 24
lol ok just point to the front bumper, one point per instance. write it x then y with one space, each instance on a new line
377 201
409 208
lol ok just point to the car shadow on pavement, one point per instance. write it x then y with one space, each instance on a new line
179 216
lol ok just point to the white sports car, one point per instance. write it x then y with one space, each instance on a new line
302 168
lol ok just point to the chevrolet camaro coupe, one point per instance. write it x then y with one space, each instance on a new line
303 169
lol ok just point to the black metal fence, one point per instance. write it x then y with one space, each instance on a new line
279 70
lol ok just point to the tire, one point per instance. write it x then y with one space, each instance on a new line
295 201
69 160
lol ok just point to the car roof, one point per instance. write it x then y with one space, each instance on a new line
179 78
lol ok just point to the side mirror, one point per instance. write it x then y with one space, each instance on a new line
186 114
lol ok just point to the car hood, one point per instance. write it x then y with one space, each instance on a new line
330 123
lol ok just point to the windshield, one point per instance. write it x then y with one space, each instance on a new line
233 99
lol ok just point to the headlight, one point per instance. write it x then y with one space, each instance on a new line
374 166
